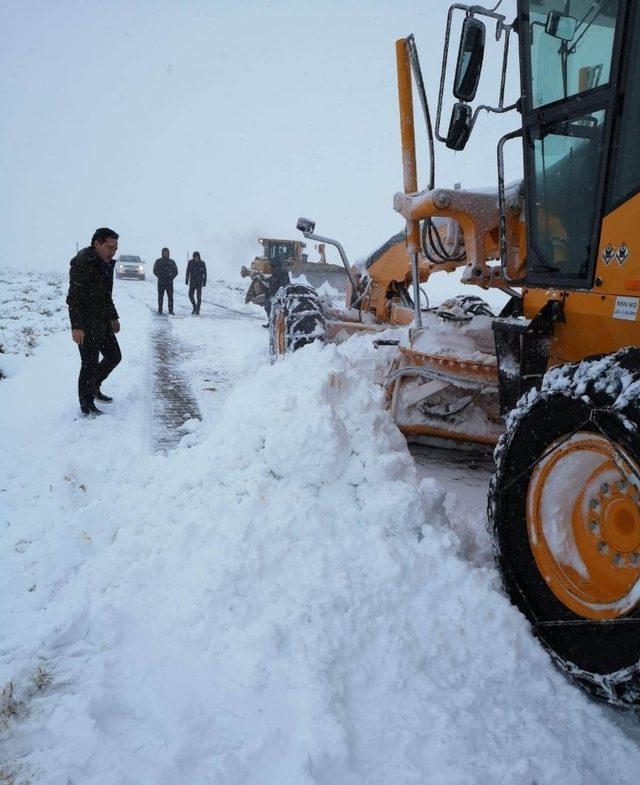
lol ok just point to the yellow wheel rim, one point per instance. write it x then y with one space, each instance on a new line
583 522
280 334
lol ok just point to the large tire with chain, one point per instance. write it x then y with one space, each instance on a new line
296 319
564 513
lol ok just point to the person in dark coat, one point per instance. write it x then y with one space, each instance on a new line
196 279
93 316
165 270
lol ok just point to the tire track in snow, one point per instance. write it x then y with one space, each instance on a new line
184 365
172 402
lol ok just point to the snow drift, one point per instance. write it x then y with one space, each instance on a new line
285 601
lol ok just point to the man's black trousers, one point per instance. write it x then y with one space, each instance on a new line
195 289
164 286
98 340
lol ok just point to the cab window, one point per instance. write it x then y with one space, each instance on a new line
570 47
626 173
566 159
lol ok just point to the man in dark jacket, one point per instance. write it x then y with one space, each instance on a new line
195 279
165 270
93 316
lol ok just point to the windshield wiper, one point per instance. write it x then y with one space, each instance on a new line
597 6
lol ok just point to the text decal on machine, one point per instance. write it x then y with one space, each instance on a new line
626 308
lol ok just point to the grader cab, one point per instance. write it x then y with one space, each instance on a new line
554 380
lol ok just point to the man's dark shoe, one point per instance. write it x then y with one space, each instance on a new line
100 396
90 411
160 310
170 313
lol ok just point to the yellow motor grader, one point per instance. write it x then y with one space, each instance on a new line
554 379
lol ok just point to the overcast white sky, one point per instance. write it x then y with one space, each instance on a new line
202 124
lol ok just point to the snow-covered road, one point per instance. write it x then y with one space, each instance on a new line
281 598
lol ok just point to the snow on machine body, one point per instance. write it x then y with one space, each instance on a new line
554 380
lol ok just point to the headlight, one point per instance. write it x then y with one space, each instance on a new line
141 269
121 268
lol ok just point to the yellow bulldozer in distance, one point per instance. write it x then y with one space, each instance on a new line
282 260
554 380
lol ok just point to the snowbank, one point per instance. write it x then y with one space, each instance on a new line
283 602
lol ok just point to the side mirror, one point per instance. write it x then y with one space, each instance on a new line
470 56
561 26
459 127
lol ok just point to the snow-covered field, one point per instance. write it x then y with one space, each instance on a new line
31 307
284 598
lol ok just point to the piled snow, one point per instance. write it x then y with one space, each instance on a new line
282 602
328 291
469 341
332 297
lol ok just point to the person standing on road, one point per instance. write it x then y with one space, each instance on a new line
93 316
196 279
165 270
